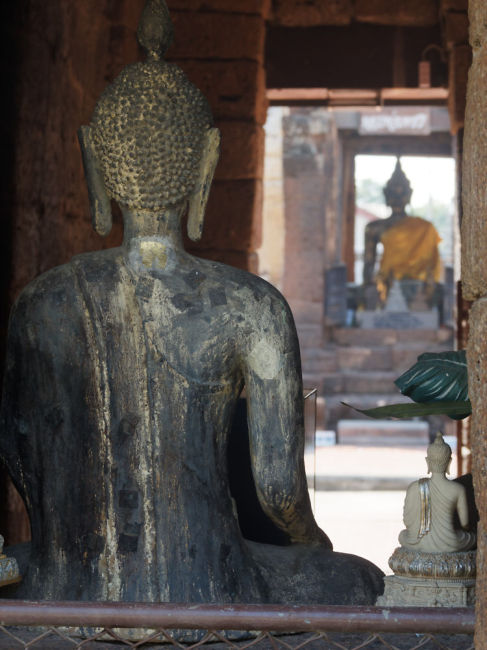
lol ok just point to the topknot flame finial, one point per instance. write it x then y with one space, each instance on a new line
155 31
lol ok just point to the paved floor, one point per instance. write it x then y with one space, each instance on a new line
358 517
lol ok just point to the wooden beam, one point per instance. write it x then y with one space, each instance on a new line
361 97
357 56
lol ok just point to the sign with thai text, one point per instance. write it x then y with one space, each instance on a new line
396 121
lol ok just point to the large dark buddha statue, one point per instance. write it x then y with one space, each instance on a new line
124 369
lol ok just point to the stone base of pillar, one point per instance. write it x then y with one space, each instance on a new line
402 320
401 591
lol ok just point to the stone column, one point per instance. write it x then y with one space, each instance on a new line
474 279
309 159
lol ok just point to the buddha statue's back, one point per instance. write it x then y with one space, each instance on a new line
124 369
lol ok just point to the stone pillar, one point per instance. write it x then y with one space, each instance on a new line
271 252
474 279
309 159
220 46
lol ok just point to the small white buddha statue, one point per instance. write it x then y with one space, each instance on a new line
430 507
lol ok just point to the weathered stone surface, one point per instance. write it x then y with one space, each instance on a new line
397 12
241 202
303 13
355 357
217 36
242 151
477 387
234 89
459 64
260 7
474 224
402 591
477 14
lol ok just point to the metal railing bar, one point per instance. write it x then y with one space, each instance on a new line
282 618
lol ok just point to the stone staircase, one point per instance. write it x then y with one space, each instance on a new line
359 366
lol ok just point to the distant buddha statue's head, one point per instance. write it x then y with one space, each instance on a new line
398 191
438 457
151 145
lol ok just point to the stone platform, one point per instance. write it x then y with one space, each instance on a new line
402 591
430 579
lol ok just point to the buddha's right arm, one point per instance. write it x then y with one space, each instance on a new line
276 425
15 399
462 508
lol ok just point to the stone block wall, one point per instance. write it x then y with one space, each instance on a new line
474 285
220 46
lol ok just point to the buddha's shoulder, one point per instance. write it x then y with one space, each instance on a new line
58 287
241 286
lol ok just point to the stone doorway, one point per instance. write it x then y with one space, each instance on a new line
309 252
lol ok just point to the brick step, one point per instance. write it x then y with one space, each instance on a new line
317 360
362 337
309 336
397 357
362 382
382 432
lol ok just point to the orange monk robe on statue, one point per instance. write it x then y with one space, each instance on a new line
411 251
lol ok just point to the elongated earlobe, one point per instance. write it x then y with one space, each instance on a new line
199 198
101 210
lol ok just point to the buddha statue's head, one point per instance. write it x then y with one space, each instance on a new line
438 457
397 191
151 145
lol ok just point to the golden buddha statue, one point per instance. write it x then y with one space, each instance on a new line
410 243
124 370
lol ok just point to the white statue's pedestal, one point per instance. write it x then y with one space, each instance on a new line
430 579
427 592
